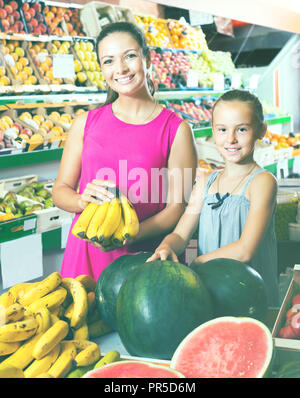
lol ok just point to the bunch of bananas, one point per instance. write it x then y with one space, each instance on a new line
109 223
45 327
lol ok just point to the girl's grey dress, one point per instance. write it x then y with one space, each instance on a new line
224 225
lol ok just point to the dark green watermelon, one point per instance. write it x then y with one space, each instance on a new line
158 305
110 281
235 287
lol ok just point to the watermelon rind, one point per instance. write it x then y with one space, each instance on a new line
109 283
218 321
126 362
158 305
236 288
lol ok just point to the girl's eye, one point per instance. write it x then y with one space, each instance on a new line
221 130
242 130
107 61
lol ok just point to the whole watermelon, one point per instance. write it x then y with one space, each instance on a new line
158 305
235 288
110 281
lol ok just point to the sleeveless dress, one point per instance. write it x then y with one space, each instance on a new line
135 157
223 225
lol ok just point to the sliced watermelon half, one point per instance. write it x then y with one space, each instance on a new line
133 369
225 347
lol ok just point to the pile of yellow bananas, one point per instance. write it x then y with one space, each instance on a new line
45 327
109 223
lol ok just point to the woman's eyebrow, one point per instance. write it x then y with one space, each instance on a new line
125 52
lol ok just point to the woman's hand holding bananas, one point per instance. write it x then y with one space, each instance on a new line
97 192
109 221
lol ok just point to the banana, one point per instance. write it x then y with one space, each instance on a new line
78 372
54 318
9 348
6 299
43 316
10 371
23 356
98 328
69 311
92 306
118 236
110 357
80 227
44 287
50 339
18 331
79 296
87 281
131 220
111 222
44 376
89 352
64 362
58 311
20 289
14 313
39 366
50 301
81 333
97 220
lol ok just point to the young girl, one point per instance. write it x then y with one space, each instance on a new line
120 144
235 206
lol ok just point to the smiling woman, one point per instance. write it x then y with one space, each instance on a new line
122 144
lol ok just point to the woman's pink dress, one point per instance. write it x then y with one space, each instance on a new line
135 157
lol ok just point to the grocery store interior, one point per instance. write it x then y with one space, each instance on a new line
49 74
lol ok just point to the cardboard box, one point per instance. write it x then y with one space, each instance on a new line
293 289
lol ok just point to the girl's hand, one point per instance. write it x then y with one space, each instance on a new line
163 252
97 192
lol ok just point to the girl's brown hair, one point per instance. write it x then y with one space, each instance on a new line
245 96
138 36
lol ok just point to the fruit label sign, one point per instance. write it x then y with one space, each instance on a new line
218 82
282 168
63 66
192 78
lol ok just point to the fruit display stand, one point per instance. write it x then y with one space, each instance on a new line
287 349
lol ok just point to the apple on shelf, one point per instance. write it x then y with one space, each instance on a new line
34 18
11 21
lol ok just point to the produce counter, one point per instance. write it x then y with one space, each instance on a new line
112 341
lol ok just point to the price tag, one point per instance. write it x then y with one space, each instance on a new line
219 82
63 66
192 78
296 164
282 168
236 81
253 83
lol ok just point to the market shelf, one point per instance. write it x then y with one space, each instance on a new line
51 239
34 157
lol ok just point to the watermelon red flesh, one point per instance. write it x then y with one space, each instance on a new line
225 347
133 369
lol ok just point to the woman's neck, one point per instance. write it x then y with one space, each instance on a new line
136 110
